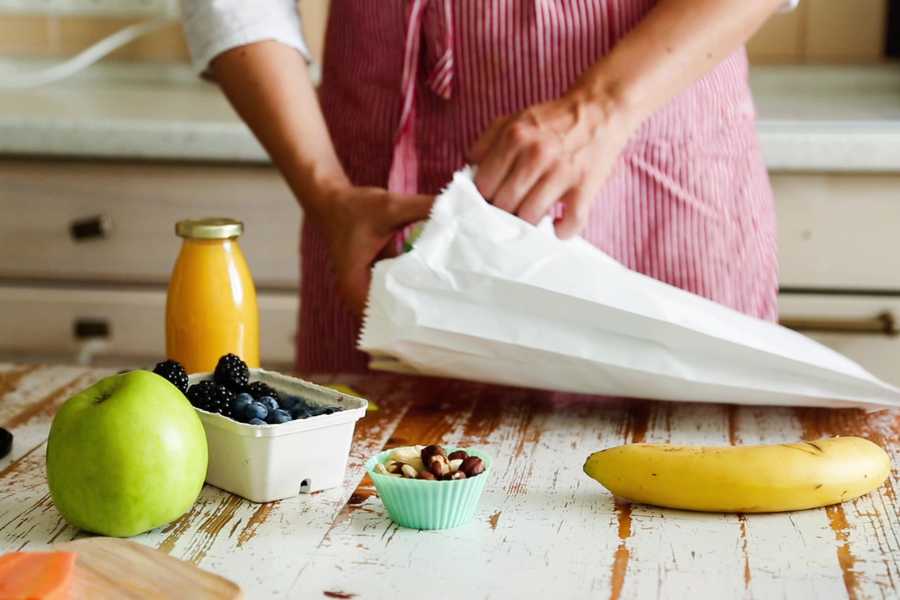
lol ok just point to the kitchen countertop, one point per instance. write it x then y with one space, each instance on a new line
543 528
811 118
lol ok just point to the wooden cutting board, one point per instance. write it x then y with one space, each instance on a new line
109 568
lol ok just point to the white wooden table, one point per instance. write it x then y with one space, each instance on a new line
544 530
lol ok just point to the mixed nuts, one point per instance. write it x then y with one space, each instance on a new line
431 463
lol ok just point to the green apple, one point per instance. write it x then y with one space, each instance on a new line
126 455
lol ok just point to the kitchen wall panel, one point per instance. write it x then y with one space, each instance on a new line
817 31
40 36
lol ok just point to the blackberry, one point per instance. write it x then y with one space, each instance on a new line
222 400
174 373
258 389
201 393
212 397
232 372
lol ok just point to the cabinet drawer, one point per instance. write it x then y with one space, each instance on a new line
43 321
40 202
838 231
876 351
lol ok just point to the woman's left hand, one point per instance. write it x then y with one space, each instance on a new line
558 151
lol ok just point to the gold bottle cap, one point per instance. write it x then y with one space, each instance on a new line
209 229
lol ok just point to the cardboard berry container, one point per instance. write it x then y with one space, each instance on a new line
263 463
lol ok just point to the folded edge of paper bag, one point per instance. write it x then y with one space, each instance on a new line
455 215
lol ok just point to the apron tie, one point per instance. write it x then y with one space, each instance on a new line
430 20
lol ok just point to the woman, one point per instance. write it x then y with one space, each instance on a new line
630 120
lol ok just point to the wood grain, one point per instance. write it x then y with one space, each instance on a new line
543 529
111 569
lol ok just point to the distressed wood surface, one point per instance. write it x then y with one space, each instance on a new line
543 528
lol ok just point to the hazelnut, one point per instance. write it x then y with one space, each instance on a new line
455 464
409 472
458 475
472 466
427 475
433 450
438 465
393 466
458 455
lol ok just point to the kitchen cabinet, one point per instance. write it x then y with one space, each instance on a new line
840 263
85 262
89 321
88 248
838 231
115 222
862 327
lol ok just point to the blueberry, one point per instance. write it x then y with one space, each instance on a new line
288 402
278 416
256 410
256 422
321 410
269 402
299 411
240 404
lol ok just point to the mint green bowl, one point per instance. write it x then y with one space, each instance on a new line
421 504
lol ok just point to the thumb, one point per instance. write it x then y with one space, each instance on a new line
409 209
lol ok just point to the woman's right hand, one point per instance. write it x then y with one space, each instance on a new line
269 85
359 224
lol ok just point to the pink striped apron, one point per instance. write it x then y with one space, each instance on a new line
408 85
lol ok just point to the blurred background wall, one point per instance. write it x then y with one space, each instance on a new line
818 31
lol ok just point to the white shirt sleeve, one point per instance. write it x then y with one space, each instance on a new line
214 26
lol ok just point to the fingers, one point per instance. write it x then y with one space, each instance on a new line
495 164
551 188
487 139
577 204
532 164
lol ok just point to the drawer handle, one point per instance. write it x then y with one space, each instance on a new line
91 228
90 329
881 324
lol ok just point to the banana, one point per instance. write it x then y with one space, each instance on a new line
744 479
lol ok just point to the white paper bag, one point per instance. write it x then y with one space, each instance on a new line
485 296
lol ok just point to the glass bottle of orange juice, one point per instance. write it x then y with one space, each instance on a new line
211 307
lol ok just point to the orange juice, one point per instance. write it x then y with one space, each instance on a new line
211 307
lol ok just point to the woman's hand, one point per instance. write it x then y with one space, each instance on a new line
268 84
559 151
359 224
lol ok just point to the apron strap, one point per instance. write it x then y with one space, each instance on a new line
431 20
